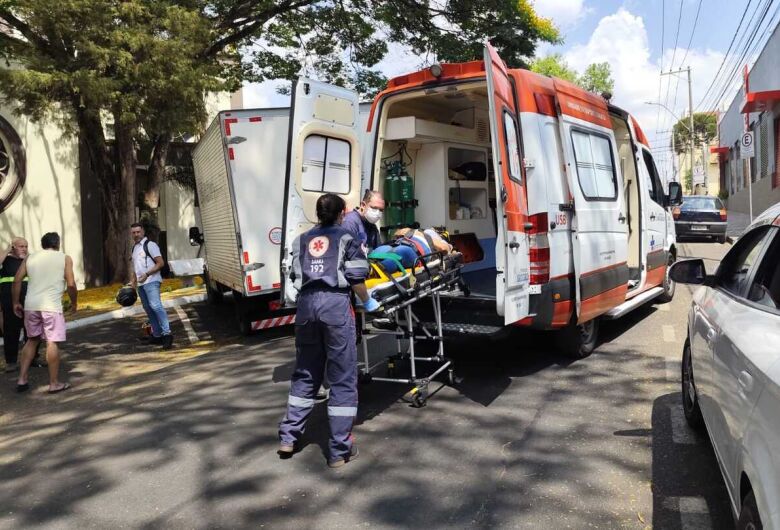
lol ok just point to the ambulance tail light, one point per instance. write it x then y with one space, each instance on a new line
723 214
676 212
539 249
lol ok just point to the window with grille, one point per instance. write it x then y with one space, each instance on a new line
763 148
326 164
776 174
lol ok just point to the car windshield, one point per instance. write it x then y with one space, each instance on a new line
701 203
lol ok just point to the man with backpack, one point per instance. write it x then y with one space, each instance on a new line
147 264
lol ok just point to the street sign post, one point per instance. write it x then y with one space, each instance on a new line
746 147
698 175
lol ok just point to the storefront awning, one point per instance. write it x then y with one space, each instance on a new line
760 101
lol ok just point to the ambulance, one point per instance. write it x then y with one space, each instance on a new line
550 191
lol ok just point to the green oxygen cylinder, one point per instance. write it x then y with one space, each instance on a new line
392 193
406 185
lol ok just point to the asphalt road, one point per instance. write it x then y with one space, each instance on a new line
527 439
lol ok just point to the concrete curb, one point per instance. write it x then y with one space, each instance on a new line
129 312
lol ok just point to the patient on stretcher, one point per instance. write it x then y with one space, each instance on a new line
412 255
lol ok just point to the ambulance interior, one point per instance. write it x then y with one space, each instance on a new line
442 136
631 198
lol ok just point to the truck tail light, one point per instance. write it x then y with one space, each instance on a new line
723 214
539 249
676 212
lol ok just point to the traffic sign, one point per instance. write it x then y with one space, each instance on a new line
698 175
746 147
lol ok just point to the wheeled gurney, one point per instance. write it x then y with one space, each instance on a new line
398 291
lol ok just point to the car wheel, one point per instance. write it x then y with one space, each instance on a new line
669 285
690 400
578 340
722 239
748 514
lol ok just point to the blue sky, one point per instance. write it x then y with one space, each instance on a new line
627 34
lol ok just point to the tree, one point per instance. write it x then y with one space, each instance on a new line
705 129
554 66
143 67
597 78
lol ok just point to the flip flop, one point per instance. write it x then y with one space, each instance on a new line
64 386
22 388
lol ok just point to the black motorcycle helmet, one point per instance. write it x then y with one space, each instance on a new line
126 296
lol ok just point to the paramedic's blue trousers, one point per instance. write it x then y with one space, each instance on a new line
324 340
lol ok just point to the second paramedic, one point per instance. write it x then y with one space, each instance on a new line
328 262
361 222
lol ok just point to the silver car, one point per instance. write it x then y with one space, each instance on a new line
731 367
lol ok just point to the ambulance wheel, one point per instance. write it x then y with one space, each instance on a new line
578 340
669 285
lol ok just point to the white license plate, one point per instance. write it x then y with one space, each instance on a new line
701 228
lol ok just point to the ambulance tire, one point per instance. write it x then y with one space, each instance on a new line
669 285
577 341
213 294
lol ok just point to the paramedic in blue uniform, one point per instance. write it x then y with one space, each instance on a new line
328 262
361 222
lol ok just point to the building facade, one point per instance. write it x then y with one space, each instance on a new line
756 109
43 189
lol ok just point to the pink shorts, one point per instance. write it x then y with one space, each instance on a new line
49 325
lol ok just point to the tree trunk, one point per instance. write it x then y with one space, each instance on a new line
156 170
117 239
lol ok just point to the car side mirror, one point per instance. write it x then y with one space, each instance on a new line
689 271
196 238
675 196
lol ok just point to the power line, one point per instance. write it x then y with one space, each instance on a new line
693 32
732 65
660 78
733 38
674 55
749 49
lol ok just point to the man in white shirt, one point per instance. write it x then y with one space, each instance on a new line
147 263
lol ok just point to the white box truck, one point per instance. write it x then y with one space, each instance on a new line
240 165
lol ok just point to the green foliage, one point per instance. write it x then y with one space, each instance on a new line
554 66
723 194
597 78
705 128
687 182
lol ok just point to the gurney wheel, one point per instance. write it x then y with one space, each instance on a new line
365 378
419 400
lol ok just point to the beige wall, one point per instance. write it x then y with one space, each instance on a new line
50 200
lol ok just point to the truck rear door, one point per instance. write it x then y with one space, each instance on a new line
323 157
512 260
599 226
256 186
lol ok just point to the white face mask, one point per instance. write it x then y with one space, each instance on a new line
372 215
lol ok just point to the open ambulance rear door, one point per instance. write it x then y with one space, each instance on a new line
323 156
512 259
599 228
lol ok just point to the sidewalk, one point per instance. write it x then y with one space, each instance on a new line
737 223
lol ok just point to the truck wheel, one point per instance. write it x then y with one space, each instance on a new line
749 519
244 324
668 285
213 294
578 340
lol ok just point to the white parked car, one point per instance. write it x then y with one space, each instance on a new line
731 367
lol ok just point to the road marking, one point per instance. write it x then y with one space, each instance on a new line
681 433
672 371
694 513
185 321
668 332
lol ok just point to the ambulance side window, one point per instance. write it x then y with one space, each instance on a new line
326 164
654 186
512 147
595 165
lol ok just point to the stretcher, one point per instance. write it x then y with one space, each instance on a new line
399 290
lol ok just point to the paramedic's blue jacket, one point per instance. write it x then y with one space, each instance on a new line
328 258
366 233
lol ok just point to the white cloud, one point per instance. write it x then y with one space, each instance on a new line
564 13
621 40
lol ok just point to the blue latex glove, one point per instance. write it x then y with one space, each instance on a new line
371 306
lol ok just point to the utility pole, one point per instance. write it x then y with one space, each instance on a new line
690 118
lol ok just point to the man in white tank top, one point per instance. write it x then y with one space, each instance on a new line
49 272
